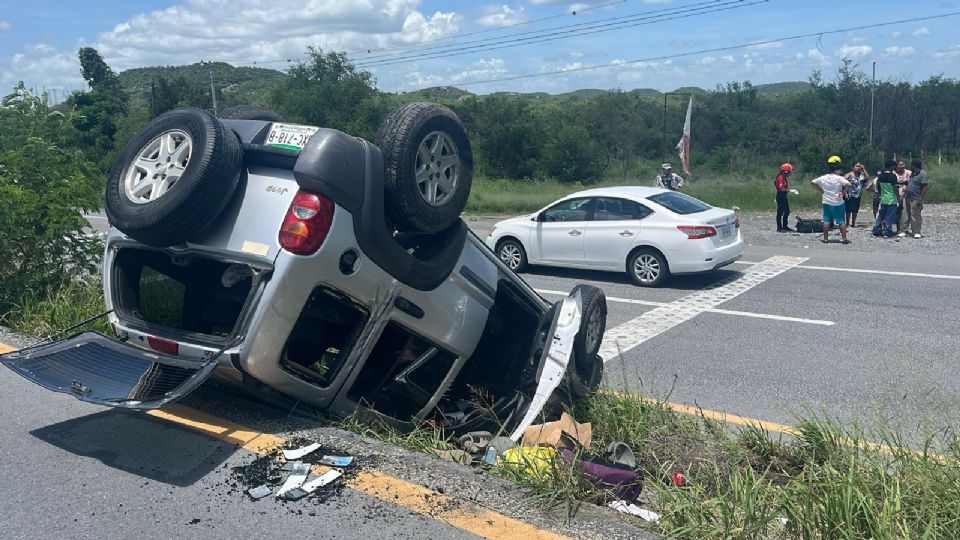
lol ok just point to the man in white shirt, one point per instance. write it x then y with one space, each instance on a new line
834 189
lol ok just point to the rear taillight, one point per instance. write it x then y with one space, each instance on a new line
736 222
307 223
165 346
695 232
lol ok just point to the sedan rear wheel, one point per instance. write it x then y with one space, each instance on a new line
512 254
647 268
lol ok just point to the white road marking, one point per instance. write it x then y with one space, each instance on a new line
711 310
866 271
628 335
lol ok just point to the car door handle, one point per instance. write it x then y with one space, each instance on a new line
575 233
626 233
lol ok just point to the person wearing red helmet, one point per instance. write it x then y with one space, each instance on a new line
783 206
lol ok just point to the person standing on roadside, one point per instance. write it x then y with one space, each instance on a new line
834 189
858 179
903 175
910 219
886 183
667 179
782 185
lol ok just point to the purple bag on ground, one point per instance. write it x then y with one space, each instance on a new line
622 482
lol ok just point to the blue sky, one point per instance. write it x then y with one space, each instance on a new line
631 44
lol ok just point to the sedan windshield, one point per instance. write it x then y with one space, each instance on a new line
679 203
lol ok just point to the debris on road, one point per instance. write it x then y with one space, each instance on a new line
454 455
298 453
259 492
634 510
336 461
296 479
531 461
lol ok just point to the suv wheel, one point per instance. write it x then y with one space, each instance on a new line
428 166
173 178
249 112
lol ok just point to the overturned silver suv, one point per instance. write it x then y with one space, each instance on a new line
303 263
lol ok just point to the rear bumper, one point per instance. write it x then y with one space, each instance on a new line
705 257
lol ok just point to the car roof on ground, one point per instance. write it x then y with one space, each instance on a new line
619 191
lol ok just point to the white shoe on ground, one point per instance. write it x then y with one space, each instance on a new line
917 235
902 235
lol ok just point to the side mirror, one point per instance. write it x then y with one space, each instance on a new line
537 217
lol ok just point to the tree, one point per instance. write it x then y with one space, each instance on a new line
327 90
99 110
46 185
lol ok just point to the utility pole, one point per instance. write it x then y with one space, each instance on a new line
873 86
213 93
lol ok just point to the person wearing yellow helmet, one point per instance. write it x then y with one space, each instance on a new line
834 189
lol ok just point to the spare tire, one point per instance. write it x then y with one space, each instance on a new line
249 112
585 371
173 178
428 167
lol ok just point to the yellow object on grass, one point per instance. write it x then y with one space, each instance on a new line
533 461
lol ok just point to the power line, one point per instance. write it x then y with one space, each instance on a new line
516 42
572 27
489 30
705 51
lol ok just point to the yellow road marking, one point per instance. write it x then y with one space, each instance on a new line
462 515
731 418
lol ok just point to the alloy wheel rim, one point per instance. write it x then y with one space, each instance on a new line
646 268
158 167
437 168
510 255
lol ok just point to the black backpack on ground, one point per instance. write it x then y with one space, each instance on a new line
809 225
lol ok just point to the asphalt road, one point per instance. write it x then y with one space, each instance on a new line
887 357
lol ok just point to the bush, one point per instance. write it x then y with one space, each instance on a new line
46 185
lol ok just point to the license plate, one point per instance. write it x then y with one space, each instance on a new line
290 136
726 231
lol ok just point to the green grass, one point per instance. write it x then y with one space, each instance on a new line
72 303
749 192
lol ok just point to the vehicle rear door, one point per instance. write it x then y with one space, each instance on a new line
558 238
95 368
614 229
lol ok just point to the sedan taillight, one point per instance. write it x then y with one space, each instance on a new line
695 232
307 223
736 222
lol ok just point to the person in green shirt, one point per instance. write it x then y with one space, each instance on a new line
887 185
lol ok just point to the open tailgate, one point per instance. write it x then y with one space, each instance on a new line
93 367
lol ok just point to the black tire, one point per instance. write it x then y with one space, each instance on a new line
511 253
647 267
208 178
249 112
586 367
436 201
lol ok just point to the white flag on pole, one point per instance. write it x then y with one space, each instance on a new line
683 147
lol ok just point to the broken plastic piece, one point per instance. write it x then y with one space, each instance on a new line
476 441
300 452
634 510
296 478
454 455
295 494
259 492
336 461
321 481
621 454
490 457
533 461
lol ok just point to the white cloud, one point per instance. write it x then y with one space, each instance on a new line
896 34
502 15
922 31
816 55
899 51
483 69
706 61
854 51
728 58
5 25
244 31
950 53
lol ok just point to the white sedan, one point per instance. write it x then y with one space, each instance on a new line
650 233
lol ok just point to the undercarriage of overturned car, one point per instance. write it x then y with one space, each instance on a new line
307 265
